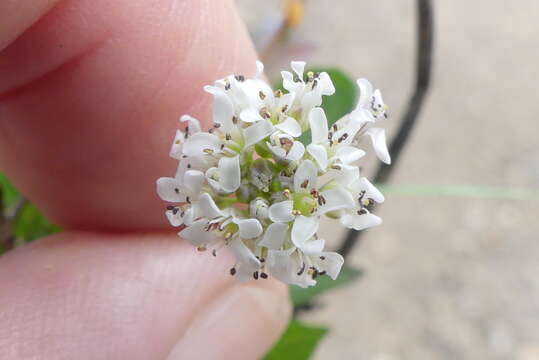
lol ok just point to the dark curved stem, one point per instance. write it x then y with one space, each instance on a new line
425 34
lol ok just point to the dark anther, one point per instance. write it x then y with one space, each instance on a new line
234 120
322 258
228 137
210 130
262 95
176 190
296 78
188 166
222 146
170 207
322 272
361 212
302 269
284 108
233 271
305 183
240 78
315 274
184 156
227 86
175 211
214 252
342 138
330 135
255 275
217 125
188 200
335 127
263 275
315 82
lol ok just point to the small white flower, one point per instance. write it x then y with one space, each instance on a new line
249 184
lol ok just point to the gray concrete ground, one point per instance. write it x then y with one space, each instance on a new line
446 278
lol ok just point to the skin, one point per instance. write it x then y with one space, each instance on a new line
89 95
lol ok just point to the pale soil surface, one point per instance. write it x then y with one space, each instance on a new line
446 278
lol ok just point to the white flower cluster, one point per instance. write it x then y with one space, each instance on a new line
249 183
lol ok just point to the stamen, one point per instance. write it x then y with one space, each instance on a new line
278 93
263 275
176 190
305 183
228 137
201 248
170 207
187 200
322 258
255 275
208 151
240 78
301 270
264 112
342 138
234 120
233 271
262 95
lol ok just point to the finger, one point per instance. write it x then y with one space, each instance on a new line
95 296
90 95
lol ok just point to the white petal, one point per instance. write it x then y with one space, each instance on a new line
257 132
210 174
336 199
378 137
169 189
313 247
229 173
305 177
365 93
360 222
242 253
286 100
371 192
250 115
223 111
349 154
346 175
274 236
298 67
282 265
303 229
288 80
249 228
281 211
326 85
174 217
198 143
319 154
290 126
296 151
319 125
332 263
207 207
193 180
193 125
259 69
196 233
177 146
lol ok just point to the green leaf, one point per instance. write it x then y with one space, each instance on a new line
297 343
31 225
302 296
340 103
10 194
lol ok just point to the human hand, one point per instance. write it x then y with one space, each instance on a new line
89 94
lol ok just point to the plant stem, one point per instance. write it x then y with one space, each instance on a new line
424 45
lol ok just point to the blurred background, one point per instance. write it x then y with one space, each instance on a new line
453 273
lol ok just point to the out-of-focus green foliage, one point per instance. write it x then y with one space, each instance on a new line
30 224
9 194
302 296
297 343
